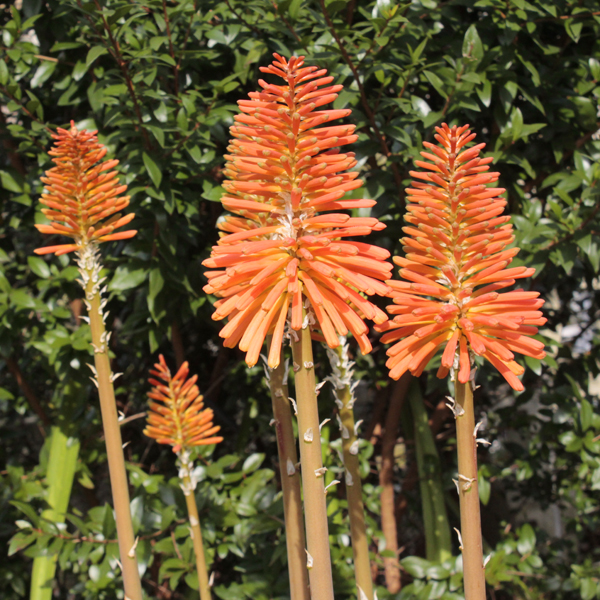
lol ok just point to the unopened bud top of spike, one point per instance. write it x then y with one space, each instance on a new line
82 195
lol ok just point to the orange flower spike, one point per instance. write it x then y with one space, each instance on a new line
81 191
278 253
180 419
457 242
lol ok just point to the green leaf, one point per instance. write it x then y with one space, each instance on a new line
20 541
12 182
472 47
22 300
27 509
153 170
586 415
595 68
294 9
253 462
589 245
126 278
93 54
517 124
526 541
485 93
485 488
587 588
39 266
573 28
157 283
43 73
415 566
535 364
212 192
3 72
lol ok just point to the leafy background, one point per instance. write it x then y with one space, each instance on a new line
160 81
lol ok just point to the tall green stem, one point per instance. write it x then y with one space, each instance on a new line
342 381
437 529
470 518
62 463
188 487
90 271
290 483
315 506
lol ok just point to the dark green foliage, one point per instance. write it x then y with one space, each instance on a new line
160 81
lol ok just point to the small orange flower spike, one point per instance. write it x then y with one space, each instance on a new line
280 254
80 191
180 420
457 257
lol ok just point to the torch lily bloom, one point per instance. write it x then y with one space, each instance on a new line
177 416
457 258
80 191
279 253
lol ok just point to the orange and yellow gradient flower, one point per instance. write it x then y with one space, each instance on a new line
81 191
457 258
279 254
177 416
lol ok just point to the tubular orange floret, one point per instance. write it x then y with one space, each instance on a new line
281 254
176 416
458 242
80 191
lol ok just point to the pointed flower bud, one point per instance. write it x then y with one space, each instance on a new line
284 249
82 194
176 415
458 256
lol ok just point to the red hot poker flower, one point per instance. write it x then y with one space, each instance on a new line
177 416
81 191
457 258
280 254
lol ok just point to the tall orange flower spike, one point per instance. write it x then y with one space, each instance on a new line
80 191
279 253
179 419
457 257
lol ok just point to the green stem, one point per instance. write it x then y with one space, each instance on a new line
90 271
196 533
315 506
62 463
360 544
437 529
290 484
470 518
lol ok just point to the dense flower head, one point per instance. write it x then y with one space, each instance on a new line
81 191
279 254
177 416
457 258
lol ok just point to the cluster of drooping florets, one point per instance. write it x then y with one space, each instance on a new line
286 259
457 258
